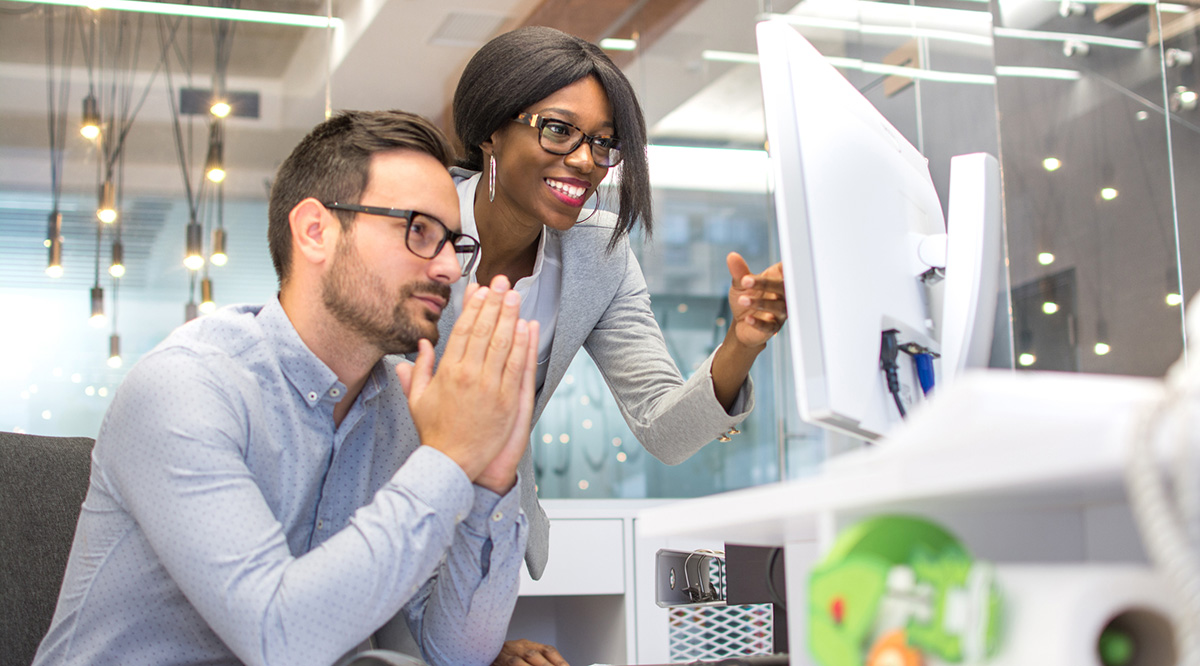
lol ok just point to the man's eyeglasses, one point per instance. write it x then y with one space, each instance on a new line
425 235
559 137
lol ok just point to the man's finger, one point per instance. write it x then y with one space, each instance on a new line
486 321
456 346
415 377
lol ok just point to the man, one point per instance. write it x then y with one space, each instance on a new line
258 490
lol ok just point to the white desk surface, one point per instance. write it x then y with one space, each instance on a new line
1022 440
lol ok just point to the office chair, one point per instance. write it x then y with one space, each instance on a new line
43 481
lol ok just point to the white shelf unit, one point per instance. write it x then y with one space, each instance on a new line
1022 467
595 600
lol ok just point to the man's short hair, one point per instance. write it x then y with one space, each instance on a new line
333 163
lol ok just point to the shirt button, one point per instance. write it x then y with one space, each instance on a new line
335 392
497 517
312 396
320 524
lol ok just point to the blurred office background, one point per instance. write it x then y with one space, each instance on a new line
1091 107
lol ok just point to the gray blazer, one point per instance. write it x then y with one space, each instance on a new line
605 308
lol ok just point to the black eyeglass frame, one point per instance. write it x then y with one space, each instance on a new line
450 235
539 122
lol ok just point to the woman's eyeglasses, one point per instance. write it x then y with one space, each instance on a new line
559 137
425 235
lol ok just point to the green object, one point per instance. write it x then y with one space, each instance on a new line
1116 647
847 588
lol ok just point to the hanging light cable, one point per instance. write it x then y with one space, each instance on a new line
57 94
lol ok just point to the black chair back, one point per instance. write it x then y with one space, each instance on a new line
43 481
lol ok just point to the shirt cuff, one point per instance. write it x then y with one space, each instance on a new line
493 515
435 479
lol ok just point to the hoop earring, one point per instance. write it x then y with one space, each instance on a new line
492 179
594 209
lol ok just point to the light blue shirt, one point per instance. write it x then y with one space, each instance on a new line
229 520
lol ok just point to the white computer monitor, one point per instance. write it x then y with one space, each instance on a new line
859 223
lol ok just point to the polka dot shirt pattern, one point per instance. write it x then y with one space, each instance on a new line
229 521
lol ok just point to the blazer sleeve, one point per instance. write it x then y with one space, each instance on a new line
672 417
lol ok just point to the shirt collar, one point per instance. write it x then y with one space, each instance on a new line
308 375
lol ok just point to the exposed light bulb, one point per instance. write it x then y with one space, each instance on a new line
1026 359
97 319
90 125
1051 164
106 212
1174 300
1108 193
1049 307
54 243
117 267
194 258
1045 258
220 108
218 256
207 305
215 174
114 351
1101 348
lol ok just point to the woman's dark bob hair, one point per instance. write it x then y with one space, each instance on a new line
522 67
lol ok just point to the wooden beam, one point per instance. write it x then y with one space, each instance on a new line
593 20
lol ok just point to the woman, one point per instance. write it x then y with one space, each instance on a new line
543 116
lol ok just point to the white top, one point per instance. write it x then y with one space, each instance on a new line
539 292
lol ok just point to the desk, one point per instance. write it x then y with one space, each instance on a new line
1023 467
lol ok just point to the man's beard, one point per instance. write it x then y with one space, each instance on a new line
359 301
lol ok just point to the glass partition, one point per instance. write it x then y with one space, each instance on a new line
1091 108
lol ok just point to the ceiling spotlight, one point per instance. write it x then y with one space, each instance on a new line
1045 258
1174 300
1178 58
1101 348
194 257
90 125
206 296
1183 98
218 256
1141 115
54 242
114 351
1068 8
98 319
1049 307
1027 359
220 108
1108 193
1074 47
117 267
107 210
1051 164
